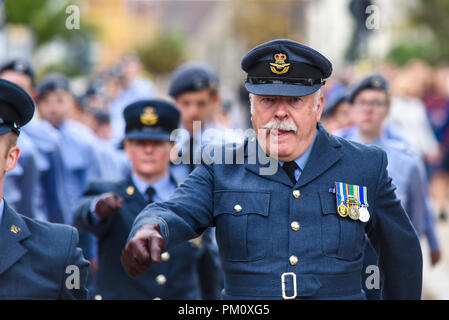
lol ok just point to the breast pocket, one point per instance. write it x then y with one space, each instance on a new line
241 218
341 238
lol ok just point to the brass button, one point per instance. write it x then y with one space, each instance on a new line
157 298
295 225
98 297
165 256
161 279
293 260
238 208
296 194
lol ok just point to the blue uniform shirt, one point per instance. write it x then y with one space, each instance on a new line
301 161
163 187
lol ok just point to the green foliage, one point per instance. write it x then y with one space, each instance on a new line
164 54
45 18
432 15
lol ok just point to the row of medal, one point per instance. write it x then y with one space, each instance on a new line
352 201
354 211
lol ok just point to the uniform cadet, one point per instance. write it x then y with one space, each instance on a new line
299 232
194 87
370 103
109 209
22 184
80 159
34 255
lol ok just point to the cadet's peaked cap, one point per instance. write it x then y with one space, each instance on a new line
191 77
374 81
150 119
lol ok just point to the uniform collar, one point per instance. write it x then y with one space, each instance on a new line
13 230
159 186
301 161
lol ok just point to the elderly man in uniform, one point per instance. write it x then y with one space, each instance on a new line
300 232
38 260
109 209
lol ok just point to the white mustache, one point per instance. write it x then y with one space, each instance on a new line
281 125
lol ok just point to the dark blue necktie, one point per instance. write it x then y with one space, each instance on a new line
290 168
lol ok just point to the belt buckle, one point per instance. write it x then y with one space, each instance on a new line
293 275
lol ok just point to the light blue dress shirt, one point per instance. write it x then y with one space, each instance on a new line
301 161
163 188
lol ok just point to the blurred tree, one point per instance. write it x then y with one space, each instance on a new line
433 16
46 18
258 21
47 21
164 54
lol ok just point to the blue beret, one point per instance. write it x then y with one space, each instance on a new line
285 68
374 81
19 65
331 106
191 77
16 107
150 119
53 82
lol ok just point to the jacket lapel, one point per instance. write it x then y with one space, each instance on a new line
13 230
134 200
325 153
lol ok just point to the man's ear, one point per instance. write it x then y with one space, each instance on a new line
319 110
11 158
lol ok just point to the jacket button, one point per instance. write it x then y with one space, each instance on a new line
293 260
161 279
98 297
296 194
157 298
295 225
238 208
165 256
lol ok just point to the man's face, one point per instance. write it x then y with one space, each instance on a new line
283 115
149 158
19 78
194 106
343 115
55 106
370 108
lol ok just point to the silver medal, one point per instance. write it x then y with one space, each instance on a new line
364 214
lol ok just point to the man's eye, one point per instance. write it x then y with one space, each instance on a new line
295 99
267 99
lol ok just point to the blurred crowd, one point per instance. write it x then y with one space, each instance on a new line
75 139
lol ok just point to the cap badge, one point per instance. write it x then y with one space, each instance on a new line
149 117
279 67
376 83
